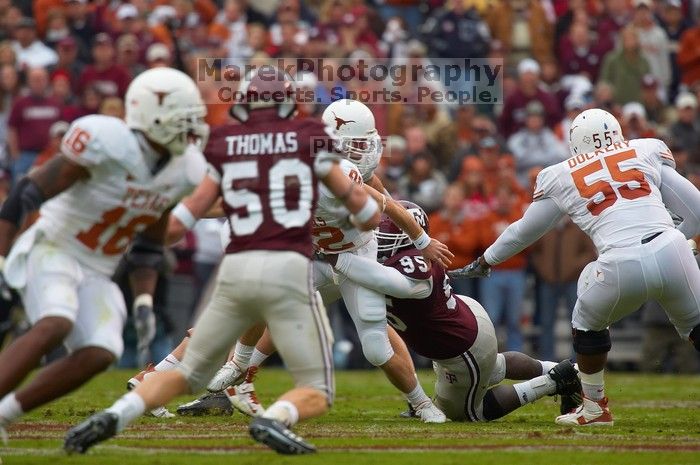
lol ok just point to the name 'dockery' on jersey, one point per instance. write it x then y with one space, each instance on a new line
268 143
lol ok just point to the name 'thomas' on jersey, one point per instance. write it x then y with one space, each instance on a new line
440 326
96 218
612 194
332 233
268 174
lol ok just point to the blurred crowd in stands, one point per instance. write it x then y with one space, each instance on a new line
470 166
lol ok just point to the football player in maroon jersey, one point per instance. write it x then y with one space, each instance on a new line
267 172
452 330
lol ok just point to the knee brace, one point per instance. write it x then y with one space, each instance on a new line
376 347
499 370
592 342
492 409
695 337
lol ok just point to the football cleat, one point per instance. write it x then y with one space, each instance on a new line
243 396
565 375
228 375
99 427
410 412
138 378
161 412
215 404
429 413
278 437
590 413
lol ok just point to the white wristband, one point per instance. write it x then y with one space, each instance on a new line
143 299
422 241
182 213
366 212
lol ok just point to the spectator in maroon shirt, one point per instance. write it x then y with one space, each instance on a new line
130 21
30 119
617 14
68 62
90 101
128 54
109 77
62 91
578 54
513 115
81 21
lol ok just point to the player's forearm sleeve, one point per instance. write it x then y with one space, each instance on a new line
540 217
683 199
380 278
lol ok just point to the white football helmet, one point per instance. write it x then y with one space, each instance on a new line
352 125
165 104
592 130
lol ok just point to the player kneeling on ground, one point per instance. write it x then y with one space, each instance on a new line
452 330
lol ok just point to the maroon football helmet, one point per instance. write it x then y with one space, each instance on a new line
391 239
264 87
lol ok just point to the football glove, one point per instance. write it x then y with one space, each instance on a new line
475 269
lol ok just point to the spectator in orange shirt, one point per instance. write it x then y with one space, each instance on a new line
503 293
451 226
689 56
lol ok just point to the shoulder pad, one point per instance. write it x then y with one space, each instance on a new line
654 149
547 181
93 139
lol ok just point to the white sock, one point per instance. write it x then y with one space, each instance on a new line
257 358
170 362
546 366
417 396
593 385
283 411
536 388
242 354
128 408
10 409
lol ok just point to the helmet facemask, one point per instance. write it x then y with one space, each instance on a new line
391 239
363 152
389 244
166 106
180 128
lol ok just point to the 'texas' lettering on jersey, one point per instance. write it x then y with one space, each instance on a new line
143 199
268 143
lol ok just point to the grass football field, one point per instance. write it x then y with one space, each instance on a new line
657 422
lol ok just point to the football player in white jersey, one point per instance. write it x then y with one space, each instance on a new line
353 126
110 190
617 191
